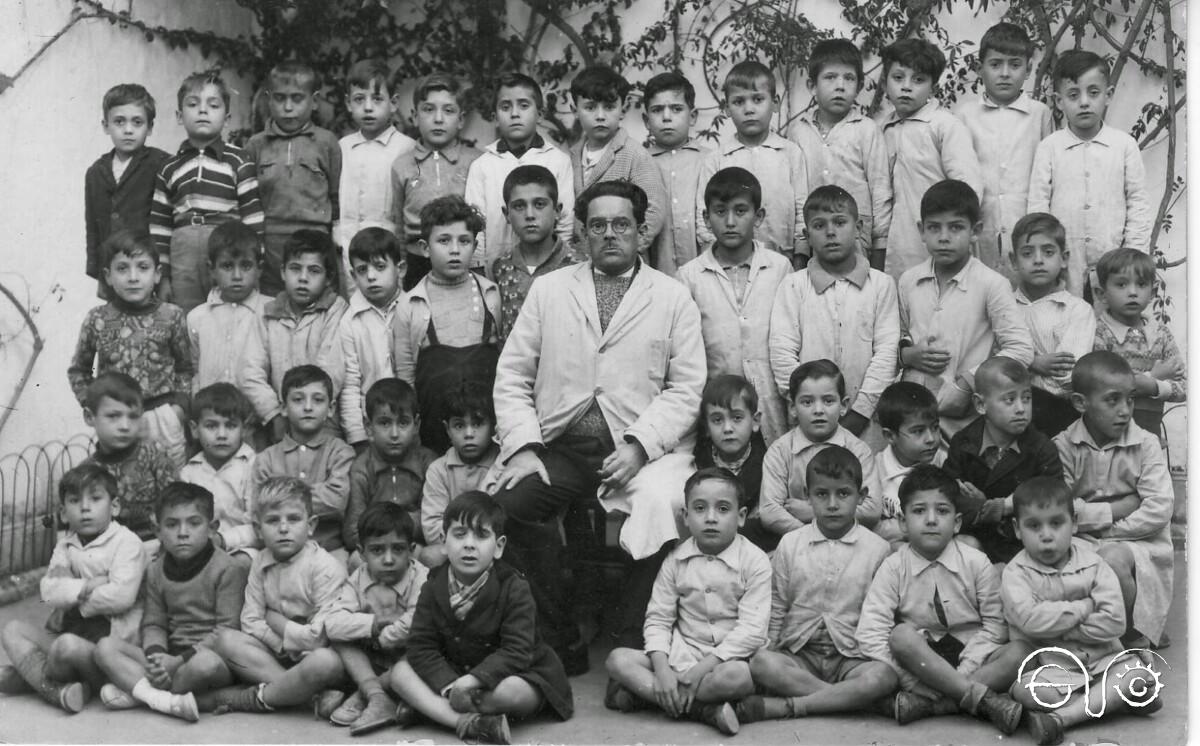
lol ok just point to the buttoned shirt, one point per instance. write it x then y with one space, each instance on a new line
680 168
410 321
1078 607
1142 351
783 479
853 155
218 330
1058 322
362 598
447 478
116 553
365 191
818 582
423 174
974 314
780 166
231 486
1097 190
924 148
324 463
298 176
366 338
908 586
304 588
1005 137
735 323
852 320
373 479
709 604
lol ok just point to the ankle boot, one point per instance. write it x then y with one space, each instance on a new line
70 696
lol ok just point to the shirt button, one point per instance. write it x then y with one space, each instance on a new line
599 390
302 475
708 590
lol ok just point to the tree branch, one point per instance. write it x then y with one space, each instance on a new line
1172 136
7 82
556 20
1135 28
38 344
1051 45
1164 121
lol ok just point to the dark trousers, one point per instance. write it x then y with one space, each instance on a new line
535 545
1052 414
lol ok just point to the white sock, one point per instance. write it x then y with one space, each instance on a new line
156 699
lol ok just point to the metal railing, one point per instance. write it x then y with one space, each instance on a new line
29 500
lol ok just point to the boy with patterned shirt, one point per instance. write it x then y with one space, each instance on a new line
113 407
207 182
437 165
670 113
138 334
843 147
531 206
299 166
118 188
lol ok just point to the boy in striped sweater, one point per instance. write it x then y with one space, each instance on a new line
207 182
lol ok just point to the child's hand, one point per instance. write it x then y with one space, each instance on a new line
432 556
992 512
926 358
1167 370
1053 364
156 673
666 691
462 691
689 681
801 510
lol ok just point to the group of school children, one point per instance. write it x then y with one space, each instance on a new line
927 446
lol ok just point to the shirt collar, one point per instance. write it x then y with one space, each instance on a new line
812 534
800 441
1078 434
537 142
691 144
101 539
773 141
245 453
728 555
1121 331
268 559
809 117
488 457
552 258
822 279
986 442
1060 297
383 139
362 579
280 308
950 558
1021 103
924 114
451 152
410 462
1103 137
962 279
360 304
626 274
216 146
318 441
272 130
1082 556
708 260
215 299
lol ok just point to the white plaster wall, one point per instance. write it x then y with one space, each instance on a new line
49 134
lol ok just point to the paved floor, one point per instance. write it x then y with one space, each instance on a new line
27 719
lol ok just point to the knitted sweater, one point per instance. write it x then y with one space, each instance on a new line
142 472
184 606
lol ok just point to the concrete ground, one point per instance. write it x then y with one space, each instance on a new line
27 719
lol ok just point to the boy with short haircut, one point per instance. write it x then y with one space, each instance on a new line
1063 326
907 415
816 401
370 624
225 465
705 619
299 327
734 283
118 188
670 112
281 648
366 192
838 308
750 101
1006 126
606 152
392 468
376 264
92 586
434 167
925 142
299 166
518 105
812 664
842 146
531 206
470 423
308 451
137 333
1058 593
113 408
192 590
1127 498
933 614
446 330
207 182
955 311
474 653
219 327
997 452
1089 175
1127 278
729 438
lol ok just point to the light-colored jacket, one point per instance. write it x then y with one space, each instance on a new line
646 370
366 337
117 553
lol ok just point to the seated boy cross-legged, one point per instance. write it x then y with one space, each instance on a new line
369 626
705 618
474 653
192 590
820 575
933 613
294 583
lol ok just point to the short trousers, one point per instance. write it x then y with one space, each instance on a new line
829 667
